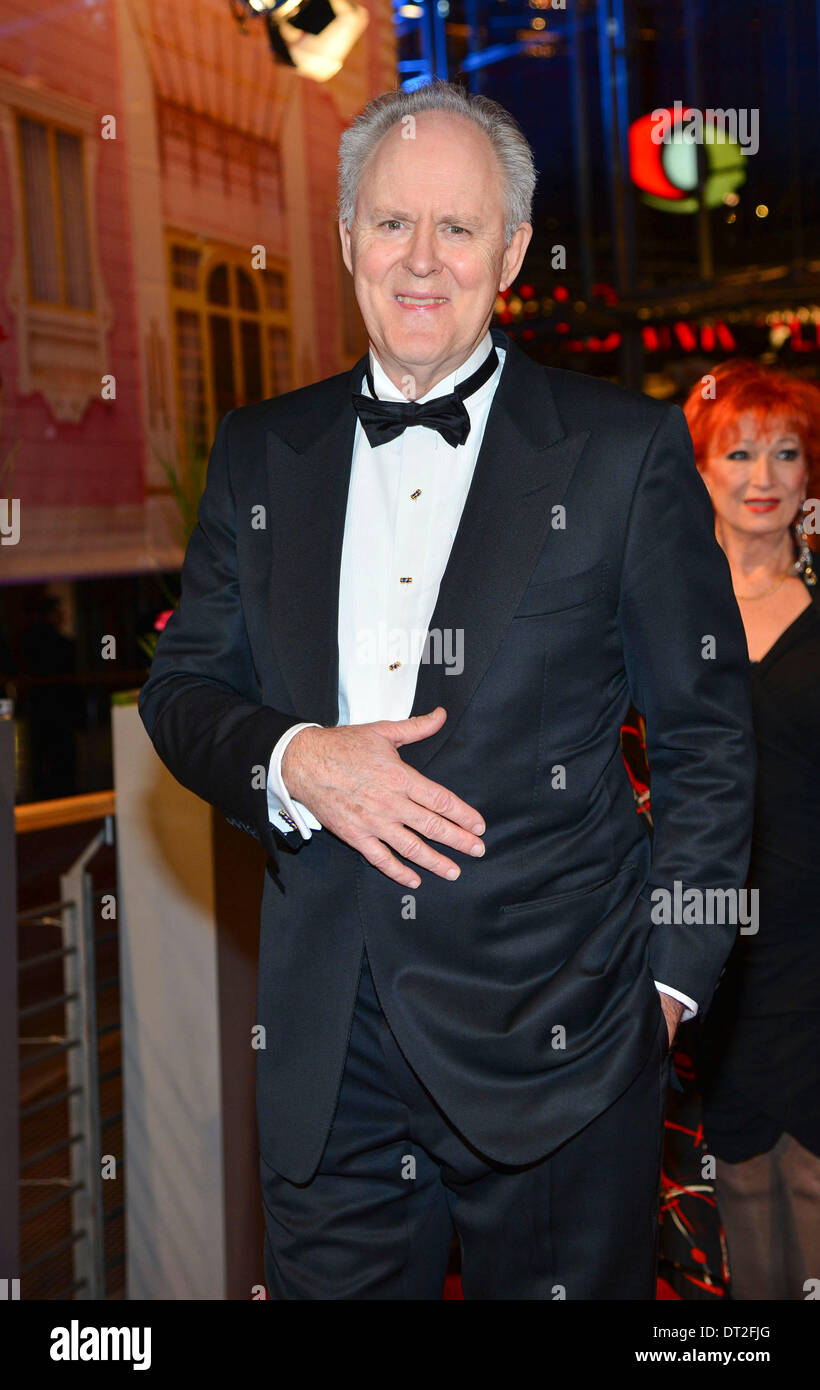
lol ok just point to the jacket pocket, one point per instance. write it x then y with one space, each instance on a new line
557 595
555 898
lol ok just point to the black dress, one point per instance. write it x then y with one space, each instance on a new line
759 1051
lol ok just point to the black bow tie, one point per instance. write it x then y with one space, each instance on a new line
385 420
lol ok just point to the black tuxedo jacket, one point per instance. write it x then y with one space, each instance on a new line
584 575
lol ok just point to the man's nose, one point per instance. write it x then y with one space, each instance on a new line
422 257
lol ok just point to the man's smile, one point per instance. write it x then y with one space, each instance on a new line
416 301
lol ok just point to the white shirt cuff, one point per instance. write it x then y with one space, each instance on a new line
690 1007
283 812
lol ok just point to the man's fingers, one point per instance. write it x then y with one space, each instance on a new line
432 796
377 854
436 827
409 846
414 728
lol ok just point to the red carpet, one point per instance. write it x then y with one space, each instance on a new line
452 1289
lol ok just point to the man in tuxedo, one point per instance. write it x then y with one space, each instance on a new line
418 603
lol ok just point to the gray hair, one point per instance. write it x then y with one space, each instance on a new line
512 150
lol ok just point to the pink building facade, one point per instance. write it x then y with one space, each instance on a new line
169 250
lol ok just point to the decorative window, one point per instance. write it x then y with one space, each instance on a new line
231 334
54 201
55 288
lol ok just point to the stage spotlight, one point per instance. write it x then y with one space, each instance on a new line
313 36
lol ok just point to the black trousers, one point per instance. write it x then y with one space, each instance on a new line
376 1220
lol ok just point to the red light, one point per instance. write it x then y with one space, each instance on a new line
561 293
797 343
526 292
600 290
685 336
646 158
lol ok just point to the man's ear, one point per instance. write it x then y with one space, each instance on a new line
346 240
514 254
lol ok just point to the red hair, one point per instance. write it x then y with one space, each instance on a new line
743 387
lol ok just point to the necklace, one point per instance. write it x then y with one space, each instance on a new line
744 598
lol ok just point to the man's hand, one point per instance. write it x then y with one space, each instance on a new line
354 782
672 1010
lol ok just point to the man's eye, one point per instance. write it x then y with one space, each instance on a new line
455 228
392 222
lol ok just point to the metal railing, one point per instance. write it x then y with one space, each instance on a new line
76 1044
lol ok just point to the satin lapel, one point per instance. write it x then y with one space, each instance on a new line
309 464
523 469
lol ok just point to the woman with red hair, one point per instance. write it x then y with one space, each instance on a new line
756 434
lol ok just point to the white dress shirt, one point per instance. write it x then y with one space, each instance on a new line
405 501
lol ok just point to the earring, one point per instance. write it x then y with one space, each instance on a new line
804 564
